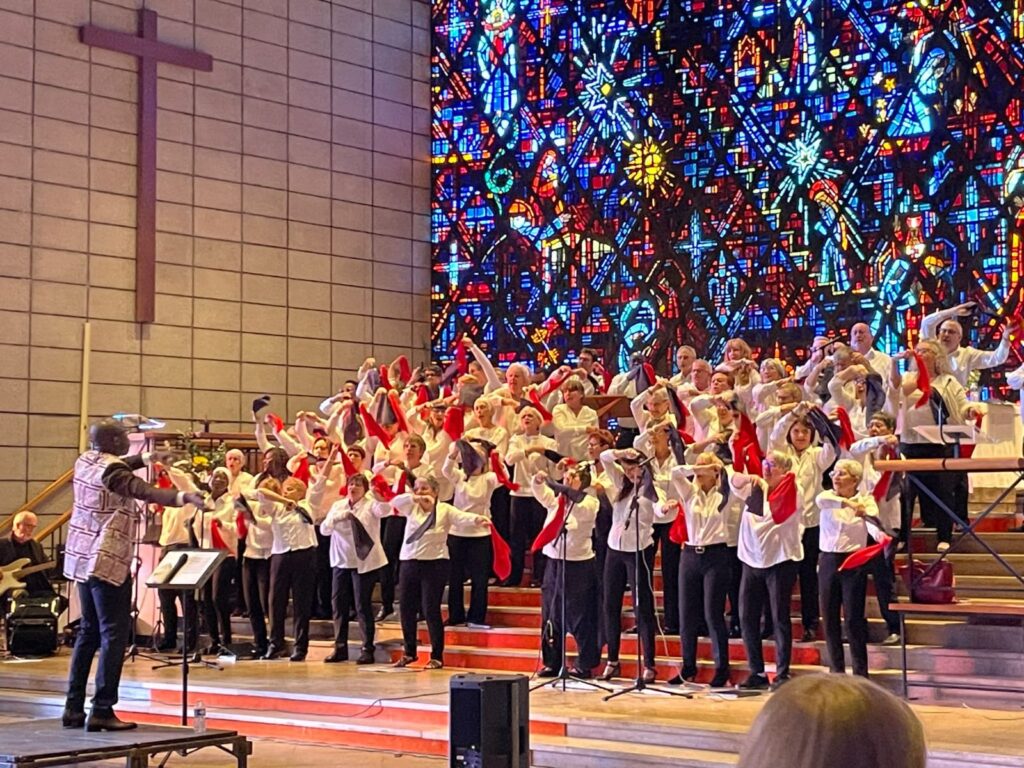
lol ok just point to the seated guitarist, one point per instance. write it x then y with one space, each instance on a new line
21 544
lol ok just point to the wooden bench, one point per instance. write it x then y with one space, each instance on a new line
967 609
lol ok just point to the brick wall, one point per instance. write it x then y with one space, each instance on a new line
292 213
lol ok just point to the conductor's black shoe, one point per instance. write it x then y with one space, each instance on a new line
755 683
721 678
71 719
107 721
297 656
547 672
339 655
273 652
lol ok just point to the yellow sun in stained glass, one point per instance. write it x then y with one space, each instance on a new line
647 166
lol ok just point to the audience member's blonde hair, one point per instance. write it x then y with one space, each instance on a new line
828 721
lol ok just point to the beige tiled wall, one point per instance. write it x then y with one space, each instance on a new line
292 213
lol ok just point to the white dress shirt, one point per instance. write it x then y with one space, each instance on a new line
965 359
623 534
841 529
291 530
571 429
473 495
342 533
433 545
524 466
579 523
763 542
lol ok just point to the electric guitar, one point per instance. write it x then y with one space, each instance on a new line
12 573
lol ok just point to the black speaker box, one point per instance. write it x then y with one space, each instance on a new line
32 627
489 721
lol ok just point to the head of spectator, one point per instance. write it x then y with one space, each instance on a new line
834 720
24 527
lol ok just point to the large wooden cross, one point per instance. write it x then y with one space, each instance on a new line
149 52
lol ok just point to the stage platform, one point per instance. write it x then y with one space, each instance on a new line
46 743
405 711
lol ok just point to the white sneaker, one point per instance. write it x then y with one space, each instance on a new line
942 547
893 639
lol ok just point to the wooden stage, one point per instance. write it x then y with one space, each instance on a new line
405 711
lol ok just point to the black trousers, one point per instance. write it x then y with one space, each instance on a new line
392 534
420 588
602 528
882 570
670 552
580 612
217 597
256 586
845 590
620 569
238 577
292 574
809 601
733 592
351 588
704 578
471 557
527 520
775 584
323 589
169 599
950 487
106 620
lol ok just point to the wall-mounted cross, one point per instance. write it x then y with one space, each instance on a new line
149 52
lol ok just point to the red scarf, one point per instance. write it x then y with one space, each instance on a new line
396 407
746 451
846 436
501 562
924 382
347 465
550 531
381 487
404 371
881 489
864 555
606 376
454 423
678 534
385 380
498 468
302 470
782 499
462 365
373 429
535 399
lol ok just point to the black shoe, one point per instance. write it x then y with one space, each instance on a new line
670 630
809 636
702 630
167 648
297 656
72 719
273 652
778 682
631 631
721 678
339 655
754 683
454 623
547 672
768 633
685 676
383 613
107 721
366 657
580 673
611 669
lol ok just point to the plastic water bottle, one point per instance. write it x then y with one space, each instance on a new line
199 718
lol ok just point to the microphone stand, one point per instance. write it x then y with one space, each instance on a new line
563 674
639 685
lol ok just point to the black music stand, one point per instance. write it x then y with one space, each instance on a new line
185 570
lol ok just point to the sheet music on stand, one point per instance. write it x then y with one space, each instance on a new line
186 569
954 434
